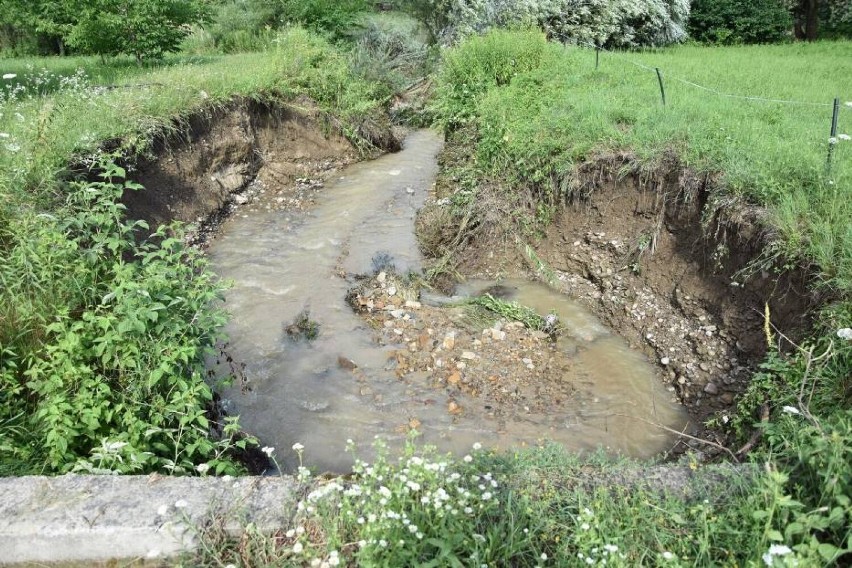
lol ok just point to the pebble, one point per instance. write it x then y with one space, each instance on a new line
711 388
468 355
450 340
665 361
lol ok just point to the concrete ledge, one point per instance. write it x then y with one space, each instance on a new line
82 518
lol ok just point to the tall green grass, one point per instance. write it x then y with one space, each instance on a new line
49 116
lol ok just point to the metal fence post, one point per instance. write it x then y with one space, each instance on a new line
832 139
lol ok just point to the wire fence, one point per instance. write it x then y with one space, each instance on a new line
836 105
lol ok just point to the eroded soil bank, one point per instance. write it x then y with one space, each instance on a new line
652 255
648 256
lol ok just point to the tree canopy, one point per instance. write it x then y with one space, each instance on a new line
146 29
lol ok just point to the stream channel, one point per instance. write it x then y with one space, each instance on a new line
283 263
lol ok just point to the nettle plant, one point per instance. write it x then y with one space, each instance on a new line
120 382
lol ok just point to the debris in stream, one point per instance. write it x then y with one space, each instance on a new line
303 327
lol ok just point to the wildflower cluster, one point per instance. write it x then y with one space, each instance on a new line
419 508
594 549
23 95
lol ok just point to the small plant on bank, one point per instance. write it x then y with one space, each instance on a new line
119 382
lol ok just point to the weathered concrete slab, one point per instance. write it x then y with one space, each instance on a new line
77 518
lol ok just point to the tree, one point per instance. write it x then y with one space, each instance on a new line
739 21
808 14
147 29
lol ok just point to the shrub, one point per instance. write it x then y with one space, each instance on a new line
391 51
124 326
245 25
739 21
331 17
479 64
615 23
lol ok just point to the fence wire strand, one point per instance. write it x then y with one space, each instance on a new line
668 75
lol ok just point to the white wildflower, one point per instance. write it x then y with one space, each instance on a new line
8 76
668 555
230 566
267 450
13 147
848 103
333 561
544 556
845 333
362 544
779 550
180 504
290 534
468 459
585 526
844 137
477 446
610 548
383 543
300 530
202 468
162 510
832 141
297 548
791 410
297 447
486 496
775 550
384 492
4 134
590 560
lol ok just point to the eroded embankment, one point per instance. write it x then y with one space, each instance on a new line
679 272
218 159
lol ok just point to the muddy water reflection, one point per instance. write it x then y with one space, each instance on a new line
284 263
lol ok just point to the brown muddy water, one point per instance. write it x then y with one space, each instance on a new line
282 264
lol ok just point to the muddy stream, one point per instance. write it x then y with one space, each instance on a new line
283 263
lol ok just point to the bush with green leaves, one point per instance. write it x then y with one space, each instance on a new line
334 18
480 64
739 21
391 50
613 23
245 25
105 368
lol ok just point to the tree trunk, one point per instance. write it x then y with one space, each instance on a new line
61 45
812 20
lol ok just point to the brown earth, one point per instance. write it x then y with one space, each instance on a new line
509 369
269 156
